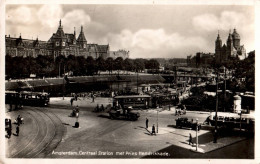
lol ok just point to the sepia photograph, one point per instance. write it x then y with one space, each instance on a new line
129 81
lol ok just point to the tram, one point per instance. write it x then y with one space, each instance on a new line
27 98
233 120
135 101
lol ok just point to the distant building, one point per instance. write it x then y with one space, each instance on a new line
232 48
200 60
120 53
60 43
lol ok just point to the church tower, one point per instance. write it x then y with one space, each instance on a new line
236 39
59 38
81 41
218 47
229 51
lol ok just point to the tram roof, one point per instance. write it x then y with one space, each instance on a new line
35 93
132 96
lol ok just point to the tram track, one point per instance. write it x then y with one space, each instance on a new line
49 134
22 143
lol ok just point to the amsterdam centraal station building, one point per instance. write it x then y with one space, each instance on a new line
60 43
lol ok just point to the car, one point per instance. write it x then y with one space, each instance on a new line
184 122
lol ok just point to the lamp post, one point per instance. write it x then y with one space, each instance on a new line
216 114
224 88
197 140
157 119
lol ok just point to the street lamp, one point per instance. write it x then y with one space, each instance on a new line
197 141
216 114
157 118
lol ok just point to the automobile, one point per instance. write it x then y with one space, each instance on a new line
184 122
124 113
180 110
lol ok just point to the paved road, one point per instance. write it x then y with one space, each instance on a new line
40 133
100 137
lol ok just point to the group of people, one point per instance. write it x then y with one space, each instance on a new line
75 112
99 108
18 121
153 127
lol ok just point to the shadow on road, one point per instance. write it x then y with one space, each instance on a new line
241 150
103 116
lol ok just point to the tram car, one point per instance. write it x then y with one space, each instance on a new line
27 98
135 101
232 120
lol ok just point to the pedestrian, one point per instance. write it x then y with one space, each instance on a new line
146 123
102 108
153 130
93 98
190 139
71 101
17 130
9 132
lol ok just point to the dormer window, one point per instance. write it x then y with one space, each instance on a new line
57 43
63 43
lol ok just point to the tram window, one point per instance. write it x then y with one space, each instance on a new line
226 119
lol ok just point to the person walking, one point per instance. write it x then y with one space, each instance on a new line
71 101
146 123
17 130
153 130
9 132
190 139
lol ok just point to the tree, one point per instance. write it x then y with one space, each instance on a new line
118 63
90 65
139 65
128 64
109 64
101 64
152 64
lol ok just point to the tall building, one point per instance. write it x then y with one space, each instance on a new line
232 48
60 43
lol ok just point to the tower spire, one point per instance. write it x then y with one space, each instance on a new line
81 28
60 22
74 31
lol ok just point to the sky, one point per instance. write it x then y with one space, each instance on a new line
147 31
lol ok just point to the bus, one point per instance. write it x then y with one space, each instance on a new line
233 120
135 101
26 98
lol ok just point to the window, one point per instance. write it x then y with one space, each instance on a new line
63 43
57 43
84 45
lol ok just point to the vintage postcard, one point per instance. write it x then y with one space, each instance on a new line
120 80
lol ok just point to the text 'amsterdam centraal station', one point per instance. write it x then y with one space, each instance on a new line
60 43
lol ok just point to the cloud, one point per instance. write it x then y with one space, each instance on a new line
75 18
150 43
21 15
48 15
226 20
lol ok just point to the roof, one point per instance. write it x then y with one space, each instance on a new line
132 96
26 43
103 48
235 35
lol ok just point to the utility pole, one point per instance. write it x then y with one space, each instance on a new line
63 81
59 70
157 119
225 88
137 81
197 140
216 114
